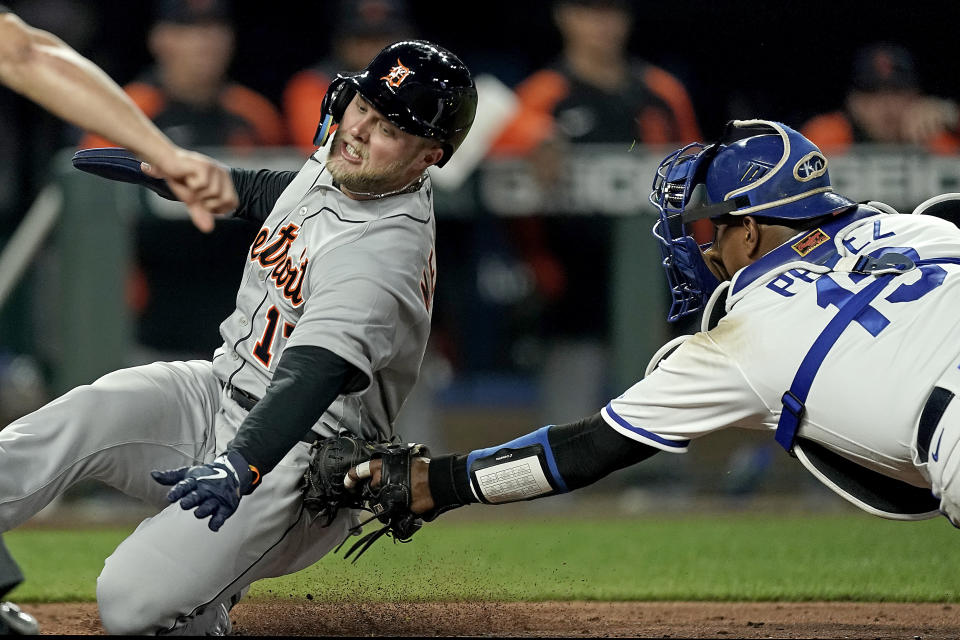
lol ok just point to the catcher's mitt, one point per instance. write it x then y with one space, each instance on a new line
389 502
324 493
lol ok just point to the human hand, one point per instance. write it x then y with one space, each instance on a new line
421 500
200 182
927 117
214 488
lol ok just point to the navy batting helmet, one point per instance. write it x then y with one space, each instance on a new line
760 168
418 86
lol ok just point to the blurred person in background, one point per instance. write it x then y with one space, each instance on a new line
191 98
362 29
44 69
188 92
595 92
885 104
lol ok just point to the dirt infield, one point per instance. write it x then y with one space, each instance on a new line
563 619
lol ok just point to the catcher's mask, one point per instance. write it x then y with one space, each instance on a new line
418 86
760 168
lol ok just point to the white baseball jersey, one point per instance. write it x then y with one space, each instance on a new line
866 398
355 277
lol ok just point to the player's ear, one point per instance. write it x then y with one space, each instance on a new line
751 237
431 155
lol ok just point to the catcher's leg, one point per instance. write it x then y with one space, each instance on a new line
168 575
115 430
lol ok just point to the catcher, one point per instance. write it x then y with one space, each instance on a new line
862 390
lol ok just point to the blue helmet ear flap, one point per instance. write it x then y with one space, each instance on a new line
324 129
335 101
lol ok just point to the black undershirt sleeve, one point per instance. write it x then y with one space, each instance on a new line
259 190
591 449
584 451
307 380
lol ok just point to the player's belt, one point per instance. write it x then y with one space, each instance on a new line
930 417
938 409
247 401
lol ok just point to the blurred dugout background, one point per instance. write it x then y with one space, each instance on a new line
550 298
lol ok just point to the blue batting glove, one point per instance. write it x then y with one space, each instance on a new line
214 488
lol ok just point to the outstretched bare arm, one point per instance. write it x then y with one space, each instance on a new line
45 69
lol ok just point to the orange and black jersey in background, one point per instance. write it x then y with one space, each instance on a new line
836 132
240 118
184 282
570 255
302 98
652 107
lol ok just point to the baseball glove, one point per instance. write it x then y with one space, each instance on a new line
389 503
324 494
117 163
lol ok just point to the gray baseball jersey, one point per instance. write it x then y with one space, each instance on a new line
355 277
350 278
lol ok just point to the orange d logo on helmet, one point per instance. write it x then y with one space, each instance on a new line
397 74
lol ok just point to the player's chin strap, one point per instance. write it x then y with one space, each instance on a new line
882 268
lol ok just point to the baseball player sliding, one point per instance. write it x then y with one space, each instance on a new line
332 319
833 325
43 68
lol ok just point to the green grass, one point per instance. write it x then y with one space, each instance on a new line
678 558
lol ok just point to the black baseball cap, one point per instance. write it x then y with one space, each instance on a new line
194 11
883 66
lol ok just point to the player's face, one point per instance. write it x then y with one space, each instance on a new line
192 55
597 28
369 155
741 241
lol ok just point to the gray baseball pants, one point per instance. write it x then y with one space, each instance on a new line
172 568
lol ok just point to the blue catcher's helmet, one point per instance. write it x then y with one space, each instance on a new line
760 168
